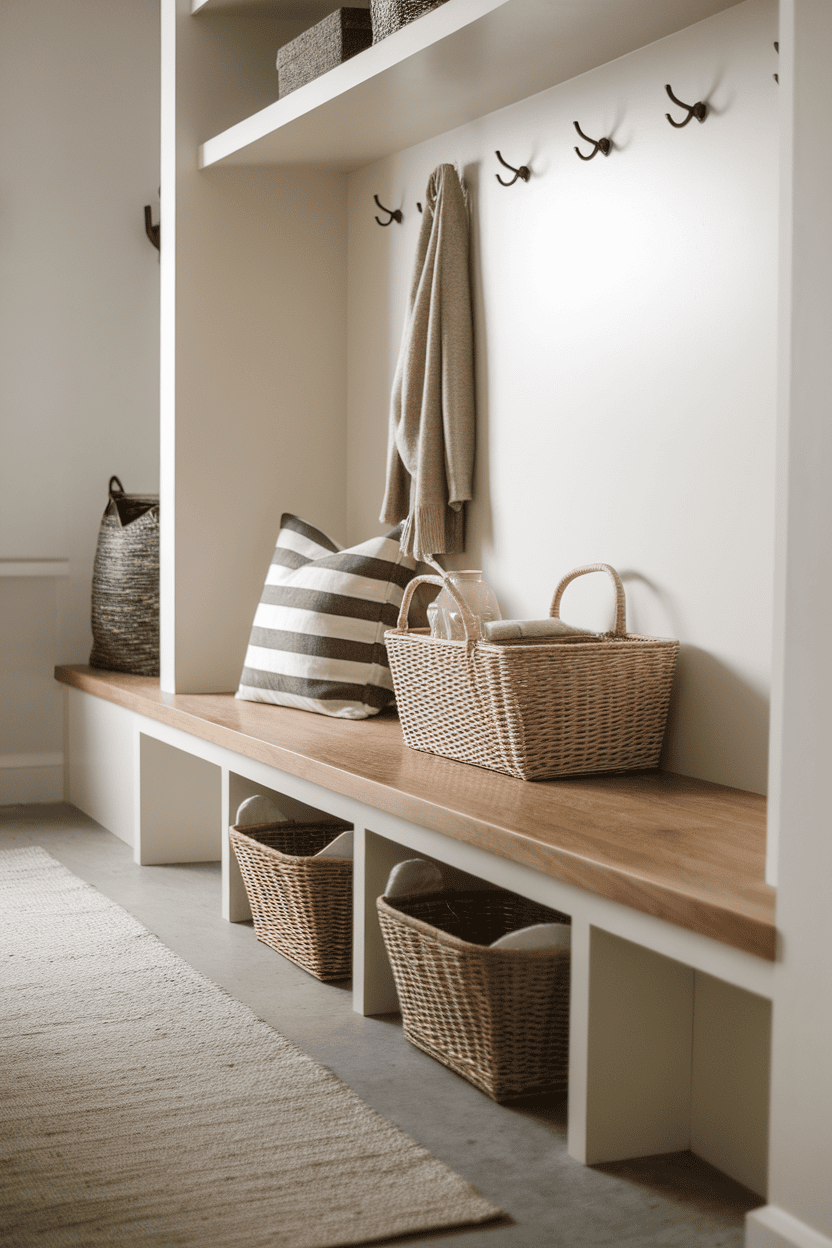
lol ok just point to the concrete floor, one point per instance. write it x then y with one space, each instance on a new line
515 1155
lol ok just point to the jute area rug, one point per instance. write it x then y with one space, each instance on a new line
142 1105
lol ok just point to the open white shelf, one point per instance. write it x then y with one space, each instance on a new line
458 62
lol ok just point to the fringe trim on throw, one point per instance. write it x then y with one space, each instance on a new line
433 530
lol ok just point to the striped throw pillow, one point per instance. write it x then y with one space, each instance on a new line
317 641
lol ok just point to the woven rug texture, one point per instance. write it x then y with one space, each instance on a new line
142 1105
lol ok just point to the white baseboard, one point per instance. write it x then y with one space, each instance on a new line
772 1227
31 778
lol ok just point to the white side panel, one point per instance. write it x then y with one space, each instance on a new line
771 1227
180 814
800 1146
99 750
730 1083
636 1101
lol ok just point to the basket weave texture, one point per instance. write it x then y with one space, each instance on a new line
390 15
301 905
534 709
125 585
498 1017
337 38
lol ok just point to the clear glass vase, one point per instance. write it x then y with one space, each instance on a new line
444 615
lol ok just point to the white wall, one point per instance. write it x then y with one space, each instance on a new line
79 324
626 336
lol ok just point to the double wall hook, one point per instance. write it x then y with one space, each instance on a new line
598 145
395 213
523 172
152 231
697 110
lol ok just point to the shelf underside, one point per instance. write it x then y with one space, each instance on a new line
461 61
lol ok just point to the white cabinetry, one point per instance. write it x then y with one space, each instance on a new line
254 261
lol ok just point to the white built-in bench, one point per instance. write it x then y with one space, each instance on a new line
673 930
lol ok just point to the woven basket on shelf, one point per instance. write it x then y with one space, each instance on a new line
125 585
301 905
390 15
337 38
534 709
498 1017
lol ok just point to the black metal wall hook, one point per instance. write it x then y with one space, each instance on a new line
395 213
697 110
598 145
523 172
152 231
777 76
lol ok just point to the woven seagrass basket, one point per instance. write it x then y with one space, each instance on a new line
338 37
125 585
534 709
301 905
390 15
498 1017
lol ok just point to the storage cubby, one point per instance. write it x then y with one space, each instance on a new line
179 805
235 902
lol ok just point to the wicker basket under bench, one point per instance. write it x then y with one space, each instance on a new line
301 905
498 1017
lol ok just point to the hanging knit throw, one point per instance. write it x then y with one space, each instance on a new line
430 456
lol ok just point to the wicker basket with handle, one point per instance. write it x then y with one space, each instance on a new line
534 709
498 1017
301 905
125 584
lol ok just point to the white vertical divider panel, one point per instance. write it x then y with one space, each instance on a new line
179 800
253 423
637 1030
800 1141
235 907
100 774
373 989
729 1086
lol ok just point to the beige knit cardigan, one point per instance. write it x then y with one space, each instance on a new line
430 453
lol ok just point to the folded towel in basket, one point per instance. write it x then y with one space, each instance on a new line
514 630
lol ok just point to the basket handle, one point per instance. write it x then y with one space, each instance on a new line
473 632
620 629
115 487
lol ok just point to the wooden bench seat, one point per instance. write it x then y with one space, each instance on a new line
684 850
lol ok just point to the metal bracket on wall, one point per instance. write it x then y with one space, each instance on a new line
598 145
699 110
523 172
152 231
395 213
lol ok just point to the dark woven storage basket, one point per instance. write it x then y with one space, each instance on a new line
338 37
125 585
301 905
534 709
390 15
498 1017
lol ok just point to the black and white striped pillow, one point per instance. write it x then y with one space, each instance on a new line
317 641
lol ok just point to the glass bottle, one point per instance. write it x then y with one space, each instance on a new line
444 615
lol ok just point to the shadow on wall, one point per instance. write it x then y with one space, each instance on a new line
718 724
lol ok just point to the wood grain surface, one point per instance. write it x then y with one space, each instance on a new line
684 850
